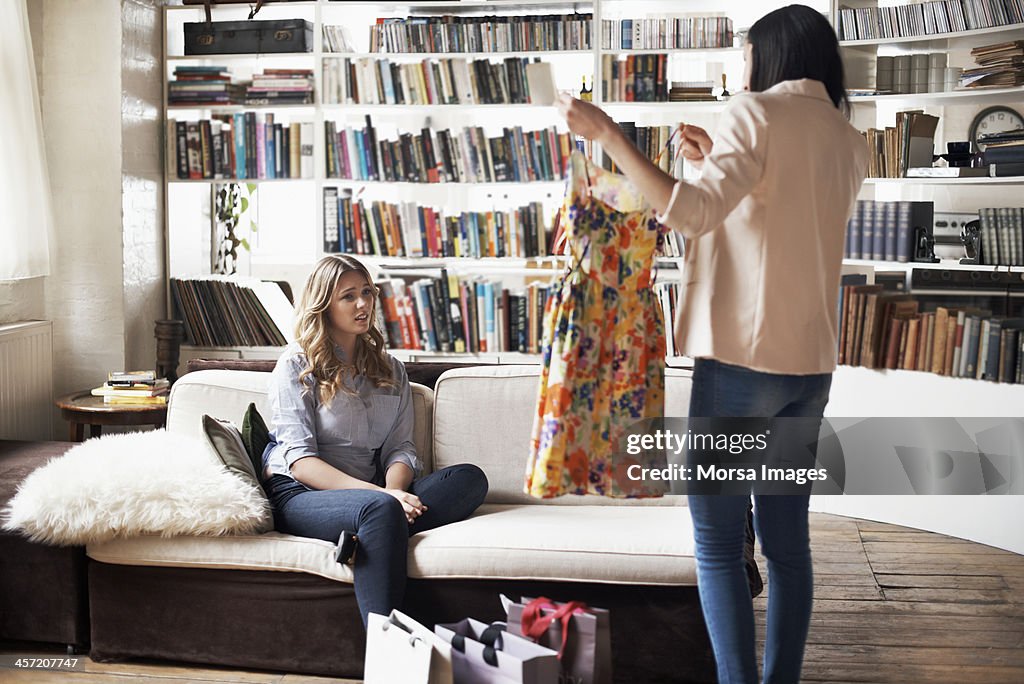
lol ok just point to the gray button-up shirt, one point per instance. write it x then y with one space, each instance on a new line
344 433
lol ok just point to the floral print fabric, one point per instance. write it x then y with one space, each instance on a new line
603 351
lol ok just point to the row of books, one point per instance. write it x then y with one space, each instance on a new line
453 80
231 311
911 73
457 313
656 143
666 33
406 229
133 387
637 78
999 65
450 33
894 149
1002 236
927 18
243 145
880 329
444 156
885 231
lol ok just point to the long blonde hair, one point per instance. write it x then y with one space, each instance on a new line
326 369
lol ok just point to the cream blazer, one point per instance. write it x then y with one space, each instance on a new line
766 224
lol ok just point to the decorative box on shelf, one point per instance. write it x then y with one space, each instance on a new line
245 37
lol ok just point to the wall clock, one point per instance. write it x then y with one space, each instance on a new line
996 119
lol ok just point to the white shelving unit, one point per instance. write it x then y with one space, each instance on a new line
285 248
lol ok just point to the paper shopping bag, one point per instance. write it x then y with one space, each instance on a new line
488 655
399 649
581 635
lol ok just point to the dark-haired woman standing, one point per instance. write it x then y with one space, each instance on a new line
765 224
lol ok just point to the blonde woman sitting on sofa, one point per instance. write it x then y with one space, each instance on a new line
341 456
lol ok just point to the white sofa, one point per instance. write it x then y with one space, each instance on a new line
634 557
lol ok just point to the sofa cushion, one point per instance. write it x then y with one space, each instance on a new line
226 394
271 551
647 545
489 423
639 545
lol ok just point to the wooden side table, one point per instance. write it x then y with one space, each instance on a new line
82 408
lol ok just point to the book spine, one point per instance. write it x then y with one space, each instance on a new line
331 220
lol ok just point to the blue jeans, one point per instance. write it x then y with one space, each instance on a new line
723 390
378 519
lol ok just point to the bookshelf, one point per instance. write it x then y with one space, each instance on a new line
289 211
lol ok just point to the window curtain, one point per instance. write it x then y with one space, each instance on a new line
26 215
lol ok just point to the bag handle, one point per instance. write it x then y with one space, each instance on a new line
490 653
209 16
535 622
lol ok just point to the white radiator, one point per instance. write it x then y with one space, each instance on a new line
26 380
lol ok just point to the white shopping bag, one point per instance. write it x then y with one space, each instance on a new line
399 649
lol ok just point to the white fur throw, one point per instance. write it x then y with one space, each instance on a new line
130 484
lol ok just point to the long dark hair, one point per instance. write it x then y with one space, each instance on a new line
795 42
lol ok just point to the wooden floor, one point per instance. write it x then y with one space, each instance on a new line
892 605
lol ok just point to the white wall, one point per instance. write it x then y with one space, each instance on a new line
141 179
81 106
98 66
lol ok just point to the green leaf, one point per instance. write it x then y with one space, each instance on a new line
245 205
245 244
251 188
253 227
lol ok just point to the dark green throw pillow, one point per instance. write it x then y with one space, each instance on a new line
255 436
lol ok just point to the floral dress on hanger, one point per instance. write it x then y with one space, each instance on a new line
603 349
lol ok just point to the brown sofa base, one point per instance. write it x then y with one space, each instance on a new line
286 621
42 588
294 622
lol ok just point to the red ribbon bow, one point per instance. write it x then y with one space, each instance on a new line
535 620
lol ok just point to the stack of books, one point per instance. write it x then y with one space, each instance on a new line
1005 149
691 91
133 387
280 87
203 85
999 66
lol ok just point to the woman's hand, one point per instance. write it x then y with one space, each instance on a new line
696 144
411 503
584 118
